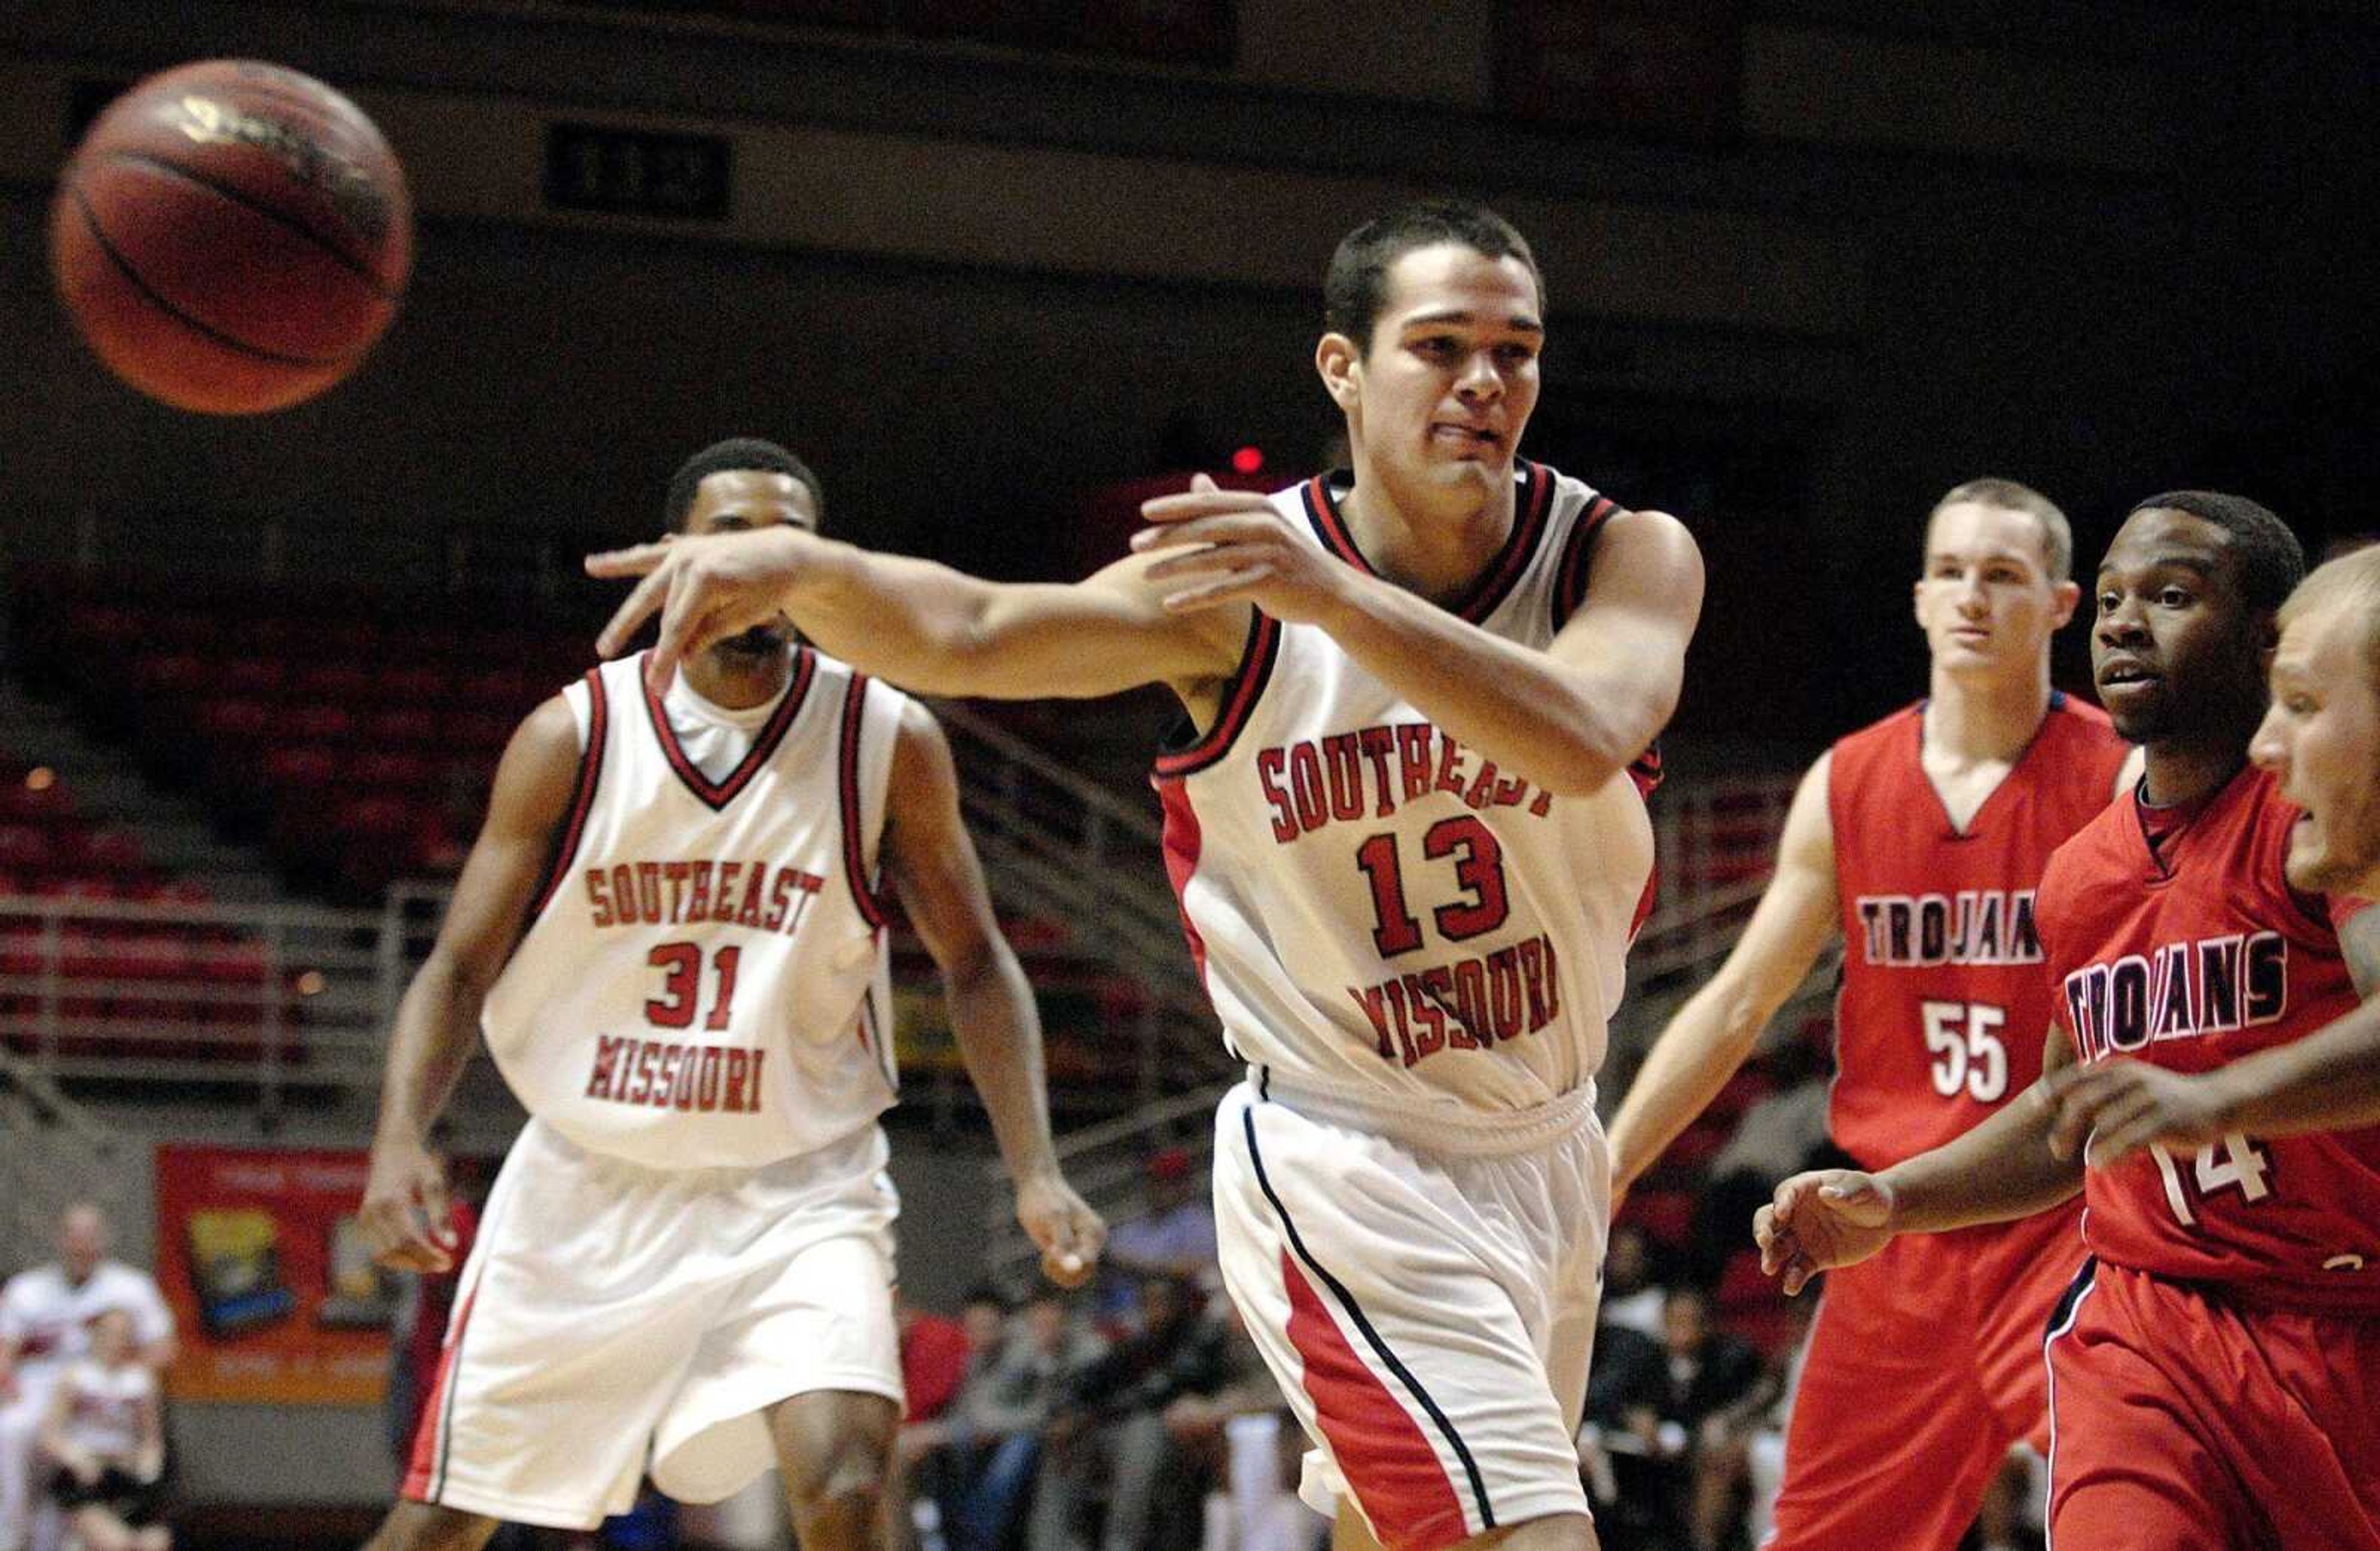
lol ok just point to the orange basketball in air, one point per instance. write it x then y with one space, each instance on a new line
231 236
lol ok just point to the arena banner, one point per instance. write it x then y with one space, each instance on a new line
260 1255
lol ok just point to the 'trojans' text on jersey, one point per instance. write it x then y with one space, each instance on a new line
1467 1005
2181 990
675 893
1974 927
705 1078
1365 773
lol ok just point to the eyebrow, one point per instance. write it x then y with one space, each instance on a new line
2198 563
1521 321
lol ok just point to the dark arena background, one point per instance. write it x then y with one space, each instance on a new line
998 271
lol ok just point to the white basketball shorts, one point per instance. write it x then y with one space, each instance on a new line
1425 1290
614 1320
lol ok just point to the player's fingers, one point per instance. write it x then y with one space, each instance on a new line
1233 589
1214 527
633 609
2077 1111
2112 1117
682 631
437 1210
636 560
1208 501
2113 1146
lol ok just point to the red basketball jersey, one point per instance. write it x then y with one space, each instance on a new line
1943 1008
2190 955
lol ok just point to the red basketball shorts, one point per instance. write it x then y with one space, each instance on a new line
1925 1365
2184 1422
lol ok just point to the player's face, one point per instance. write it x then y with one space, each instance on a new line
1985 601
2175 648
2321 738
1438 397
735 501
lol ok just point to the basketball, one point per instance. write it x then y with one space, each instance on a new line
231 236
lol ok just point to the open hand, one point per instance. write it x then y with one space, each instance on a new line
1819 1221
706 588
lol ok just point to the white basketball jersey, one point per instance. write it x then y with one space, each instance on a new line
704 981
1378 911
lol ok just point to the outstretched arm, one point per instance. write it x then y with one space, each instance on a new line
1568 718
404 1208
914 622
1710 1035
932 863
2328 1081
2000 1170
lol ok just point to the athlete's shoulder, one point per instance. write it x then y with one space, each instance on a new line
2100 852
1896 730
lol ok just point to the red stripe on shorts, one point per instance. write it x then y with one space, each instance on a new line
429 1441
1374 1441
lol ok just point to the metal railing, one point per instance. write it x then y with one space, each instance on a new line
52 1153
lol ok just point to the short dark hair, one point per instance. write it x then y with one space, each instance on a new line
739 454
1354 285
2008 495
2272 561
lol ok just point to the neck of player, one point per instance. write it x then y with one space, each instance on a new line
1975 720
736 679
2185 768
1436 543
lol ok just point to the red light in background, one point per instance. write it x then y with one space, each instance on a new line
1248 460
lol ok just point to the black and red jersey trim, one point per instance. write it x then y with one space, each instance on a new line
582 801
1570 576
717 794
1240 696
855 851
1495 582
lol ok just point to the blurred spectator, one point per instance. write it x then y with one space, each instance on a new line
1631 1297
1114 1423
44 1321
1212 1455
1780 1135
1655 1413
104 1431
1172 1236
934 1456
933 1360
1717 1392
997 1433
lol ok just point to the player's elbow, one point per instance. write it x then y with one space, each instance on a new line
1596 747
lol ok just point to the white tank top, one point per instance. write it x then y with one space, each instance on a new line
1379 914
704 981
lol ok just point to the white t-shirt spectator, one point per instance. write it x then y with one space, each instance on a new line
45 1316
107 1408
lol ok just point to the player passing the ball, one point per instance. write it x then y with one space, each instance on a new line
2211 1369
1920 841
1406 821
672 930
